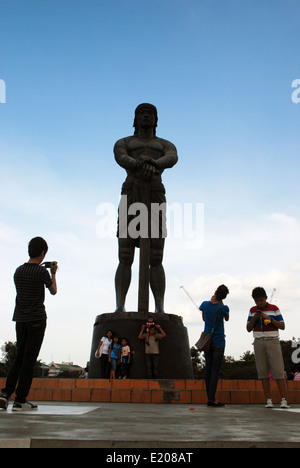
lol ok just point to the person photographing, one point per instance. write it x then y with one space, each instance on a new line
214 312
30 316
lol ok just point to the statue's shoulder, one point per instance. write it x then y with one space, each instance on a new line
166 143
123 142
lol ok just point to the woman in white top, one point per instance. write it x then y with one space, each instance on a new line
102 353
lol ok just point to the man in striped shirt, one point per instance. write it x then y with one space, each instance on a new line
265 320
30 317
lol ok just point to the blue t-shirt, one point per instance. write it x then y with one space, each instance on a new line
114 354
209 310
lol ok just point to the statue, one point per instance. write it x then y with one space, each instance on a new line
142 224
144 156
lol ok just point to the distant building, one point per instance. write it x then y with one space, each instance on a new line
56 369
45 369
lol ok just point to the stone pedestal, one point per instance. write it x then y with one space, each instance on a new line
175 357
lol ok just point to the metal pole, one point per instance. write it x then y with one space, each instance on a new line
197 307
144 270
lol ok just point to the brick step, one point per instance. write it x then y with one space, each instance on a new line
153 391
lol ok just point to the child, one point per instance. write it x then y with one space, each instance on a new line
147 326
265 320
125 353
114 356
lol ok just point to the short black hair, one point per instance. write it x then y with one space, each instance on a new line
37 246
257 293
222 292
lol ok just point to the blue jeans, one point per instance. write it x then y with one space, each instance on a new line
213 365
113 363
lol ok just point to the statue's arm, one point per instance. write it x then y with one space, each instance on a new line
170 157
122 157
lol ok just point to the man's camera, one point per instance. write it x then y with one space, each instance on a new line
49 264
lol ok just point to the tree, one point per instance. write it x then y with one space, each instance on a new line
242 369
9 354
9 351
198 362
245 367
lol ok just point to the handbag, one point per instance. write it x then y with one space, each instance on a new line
204 342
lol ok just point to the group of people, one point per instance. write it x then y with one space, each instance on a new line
115 354
31 279
264 320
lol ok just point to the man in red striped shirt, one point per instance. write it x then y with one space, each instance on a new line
265 320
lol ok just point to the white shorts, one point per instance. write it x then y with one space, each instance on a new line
268 357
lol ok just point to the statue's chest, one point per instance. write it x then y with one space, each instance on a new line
153 148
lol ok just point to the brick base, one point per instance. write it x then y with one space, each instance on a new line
153 391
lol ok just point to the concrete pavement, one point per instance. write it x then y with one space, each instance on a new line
121 425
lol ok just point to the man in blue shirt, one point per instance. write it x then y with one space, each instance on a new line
213 313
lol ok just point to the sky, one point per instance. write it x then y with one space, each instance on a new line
221 73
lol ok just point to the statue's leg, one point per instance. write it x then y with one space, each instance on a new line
157 274
123 274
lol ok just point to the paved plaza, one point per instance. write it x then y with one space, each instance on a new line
120 425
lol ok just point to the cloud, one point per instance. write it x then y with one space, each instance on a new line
285 281
258 252
9 234
241 246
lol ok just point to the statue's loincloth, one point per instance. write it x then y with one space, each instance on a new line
134 192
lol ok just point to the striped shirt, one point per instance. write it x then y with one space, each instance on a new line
260 329
30 280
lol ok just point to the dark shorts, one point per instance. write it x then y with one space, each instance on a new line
128 225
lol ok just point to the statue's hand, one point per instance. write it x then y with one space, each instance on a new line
144 157
147 159
148 171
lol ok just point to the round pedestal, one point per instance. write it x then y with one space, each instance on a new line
175 357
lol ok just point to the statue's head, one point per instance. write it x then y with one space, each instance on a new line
145 115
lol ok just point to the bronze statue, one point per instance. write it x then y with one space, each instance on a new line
144 156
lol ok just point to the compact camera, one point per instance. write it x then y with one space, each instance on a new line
49 264
266 321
